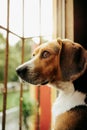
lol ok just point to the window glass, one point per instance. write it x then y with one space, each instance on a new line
2 54
46 17
15 19
31 18
3 13
15 45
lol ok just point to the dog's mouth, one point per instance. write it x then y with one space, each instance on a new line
45 82
24 81
30 77
32 80
36 82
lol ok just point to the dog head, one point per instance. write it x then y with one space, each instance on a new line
59 60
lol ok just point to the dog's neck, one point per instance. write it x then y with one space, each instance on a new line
71 94
68 98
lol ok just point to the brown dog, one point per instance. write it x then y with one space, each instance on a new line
63 64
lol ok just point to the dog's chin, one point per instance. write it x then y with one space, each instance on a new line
45 82
23 81
33 82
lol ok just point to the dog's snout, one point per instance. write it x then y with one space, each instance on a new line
21 71
18 70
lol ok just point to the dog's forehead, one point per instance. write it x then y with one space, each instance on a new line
53 45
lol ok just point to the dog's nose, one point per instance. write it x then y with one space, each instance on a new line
21 71
18 70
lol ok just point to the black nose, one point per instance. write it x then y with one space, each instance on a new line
21 71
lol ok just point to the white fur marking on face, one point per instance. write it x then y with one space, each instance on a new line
67 99
29 64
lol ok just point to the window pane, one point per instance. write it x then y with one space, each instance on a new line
46 17
2 65
3 13
16 16
31 18
30 45
46 39
14 57
2 53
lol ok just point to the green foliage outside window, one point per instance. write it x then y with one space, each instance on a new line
15 54
29 109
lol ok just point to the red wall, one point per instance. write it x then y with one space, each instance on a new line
44 97
45 108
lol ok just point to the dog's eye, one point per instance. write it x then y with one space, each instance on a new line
45 54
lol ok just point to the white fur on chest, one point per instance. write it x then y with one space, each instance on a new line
67 99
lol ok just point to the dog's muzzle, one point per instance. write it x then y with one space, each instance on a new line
30 76
22 72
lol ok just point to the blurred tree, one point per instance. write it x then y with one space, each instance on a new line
15 53
2 39
29 109
2 56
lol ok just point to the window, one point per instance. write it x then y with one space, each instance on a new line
24 24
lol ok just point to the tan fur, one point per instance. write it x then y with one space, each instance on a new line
66 62
71 120
50 63
65 121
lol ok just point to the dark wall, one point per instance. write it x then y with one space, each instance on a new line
80 22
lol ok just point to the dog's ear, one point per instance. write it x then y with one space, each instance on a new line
73 60
59 40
